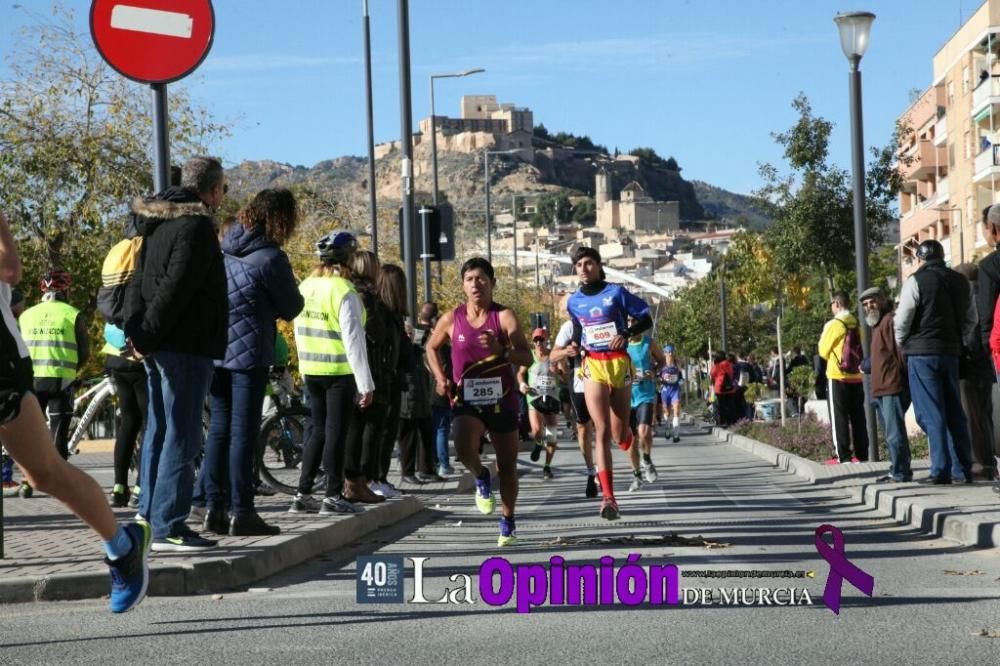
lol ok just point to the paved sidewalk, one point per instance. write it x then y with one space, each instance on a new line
51 555
969 514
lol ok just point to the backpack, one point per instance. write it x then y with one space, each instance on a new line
851 353
118 269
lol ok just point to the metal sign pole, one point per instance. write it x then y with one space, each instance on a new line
161 138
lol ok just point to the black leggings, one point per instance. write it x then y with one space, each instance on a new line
416 446
133 396
53 395
331 399
364 439
389 434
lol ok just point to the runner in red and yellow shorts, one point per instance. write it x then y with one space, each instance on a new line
599 311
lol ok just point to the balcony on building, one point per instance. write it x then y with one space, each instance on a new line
941 128
987 165
925 160
924 222
987 93
943 192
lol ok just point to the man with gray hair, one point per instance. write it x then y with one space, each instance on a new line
889 383
176 318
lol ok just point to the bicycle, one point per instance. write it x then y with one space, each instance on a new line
286 428
101 390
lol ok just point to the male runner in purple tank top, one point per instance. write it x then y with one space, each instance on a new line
486 339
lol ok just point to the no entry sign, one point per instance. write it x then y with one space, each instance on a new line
153 41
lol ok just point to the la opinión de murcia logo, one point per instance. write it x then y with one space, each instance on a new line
558 583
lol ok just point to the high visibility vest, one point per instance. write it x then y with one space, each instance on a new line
317 328
49 331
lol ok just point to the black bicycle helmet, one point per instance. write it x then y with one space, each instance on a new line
336 247
930 250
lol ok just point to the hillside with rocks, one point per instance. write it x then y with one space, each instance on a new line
344 182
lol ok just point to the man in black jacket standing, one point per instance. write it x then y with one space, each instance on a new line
176 317
988 282
935 313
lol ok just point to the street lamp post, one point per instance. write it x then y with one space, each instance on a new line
855 28
372 211
434 154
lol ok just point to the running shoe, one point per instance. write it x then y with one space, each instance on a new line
507 533
338 504
133 500
626 443
536 452
485 501
130 574
832 461
119 496
546 472
649 471
304 504
188 542
446 470
677 437
609 509
591 486
636 483
384 489
25 490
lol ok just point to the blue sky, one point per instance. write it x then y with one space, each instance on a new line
704 81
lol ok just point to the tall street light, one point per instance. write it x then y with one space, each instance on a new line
855 28
372 211
434 154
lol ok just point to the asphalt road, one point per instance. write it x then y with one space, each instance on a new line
932 599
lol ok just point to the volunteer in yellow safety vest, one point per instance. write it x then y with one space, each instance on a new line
56 336
333 361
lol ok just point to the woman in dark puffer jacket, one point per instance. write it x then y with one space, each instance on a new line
261 288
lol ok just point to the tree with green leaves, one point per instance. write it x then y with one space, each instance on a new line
812 205
74 150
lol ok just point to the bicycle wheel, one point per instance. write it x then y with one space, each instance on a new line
283 436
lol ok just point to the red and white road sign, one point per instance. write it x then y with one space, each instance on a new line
153 41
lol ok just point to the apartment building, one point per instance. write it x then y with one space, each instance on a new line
951 161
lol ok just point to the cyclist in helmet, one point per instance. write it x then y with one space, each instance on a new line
57 341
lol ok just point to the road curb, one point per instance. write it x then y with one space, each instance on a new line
247 564
935 515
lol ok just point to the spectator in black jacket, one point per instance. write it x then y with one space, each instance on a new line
988 281
416 431
975 381
176 316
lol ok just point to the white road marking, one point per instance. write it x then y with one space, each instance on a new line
152 21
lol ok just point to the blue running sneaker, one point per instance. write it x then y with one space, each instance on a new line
485 501
507 536
130 574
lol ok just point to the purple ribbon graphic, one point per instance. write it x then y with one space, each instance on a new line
840 568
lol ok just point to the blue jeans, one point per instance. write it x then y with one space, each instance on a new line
892 409
441 422
236 399
178 384
938 407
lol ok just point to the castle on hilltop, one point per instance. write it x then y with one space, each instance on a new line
635 210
